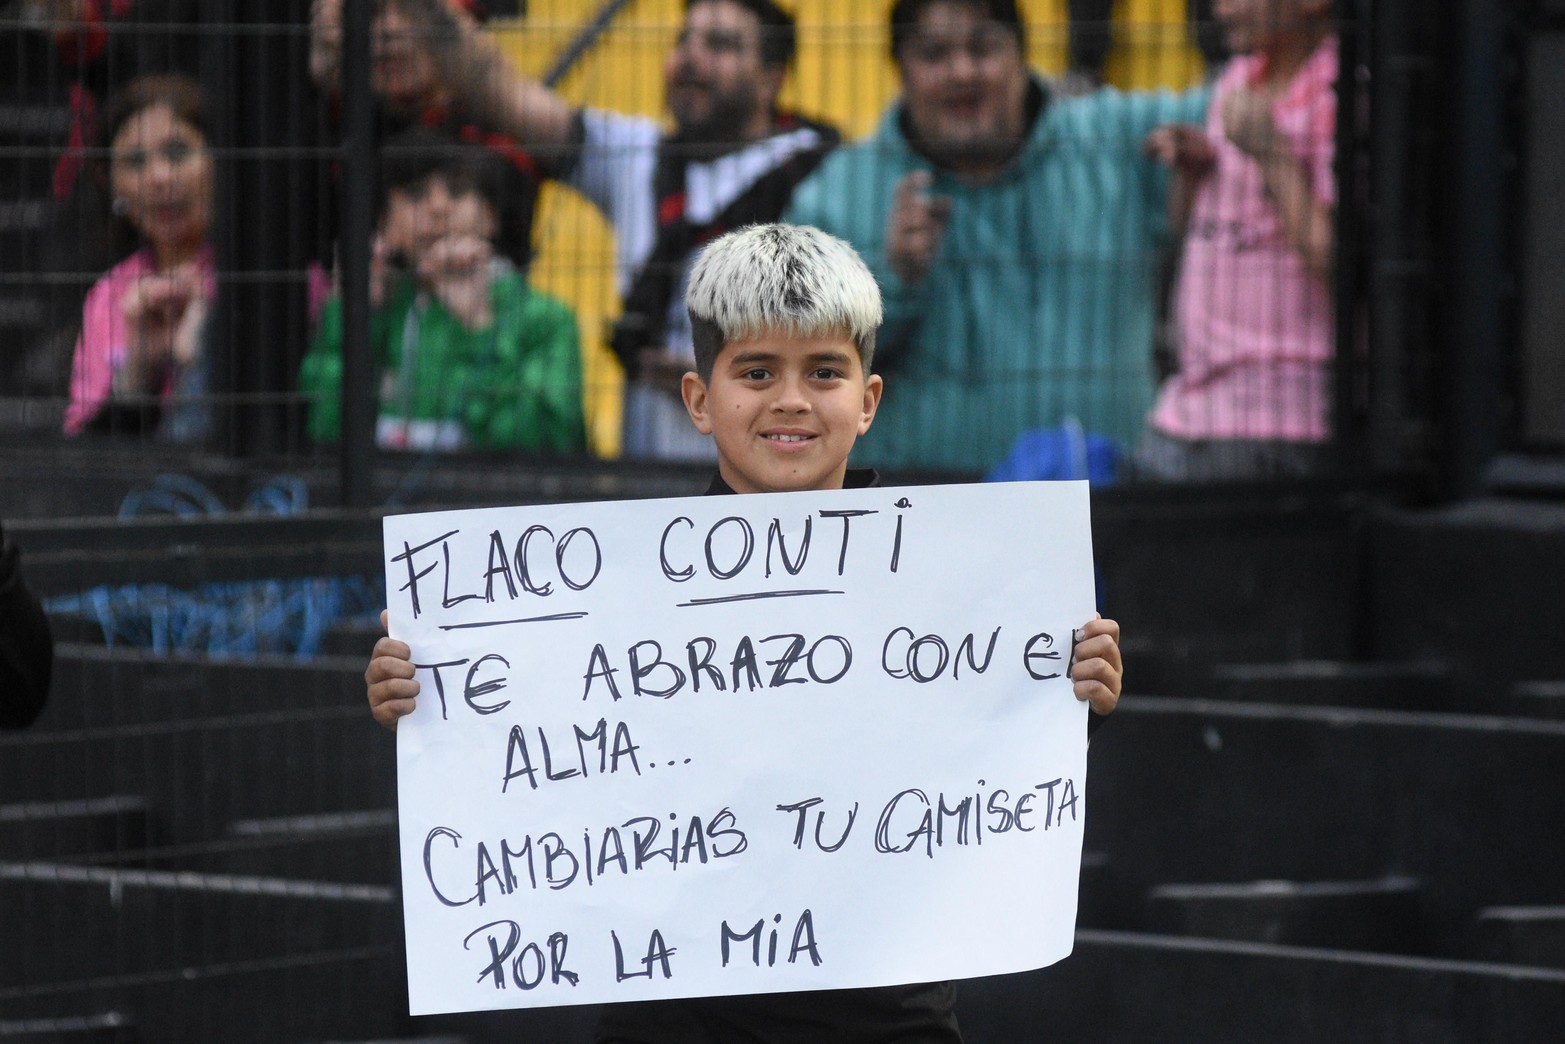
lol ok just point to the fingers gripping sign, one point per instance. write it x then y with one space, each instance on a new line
389 681
1096 668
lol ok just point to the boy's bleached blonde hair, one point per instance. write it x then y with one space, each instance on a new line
793 280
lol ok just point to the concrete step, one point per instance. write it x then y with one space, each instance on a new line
352 848
130 688
1532 935
334 846
1469 584
109 827
1126 986
1217 791
348 994
110 1027
1539 699
1337 683
204 743
1227 576
1380 916
74 922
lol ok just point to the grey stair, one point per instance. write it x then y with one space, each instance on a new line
1531 935
1125 986
1337 683
1382 916
1540 699
204 742
132 922
111 1027
109 826
1218 791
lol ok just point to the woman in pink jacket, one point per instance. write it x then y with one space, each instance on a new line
140 364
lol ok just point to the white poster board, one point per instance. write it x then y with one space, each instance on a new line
739 744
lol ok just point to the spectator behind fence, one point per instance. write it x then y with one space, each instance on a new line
97 49
785 323
469 354
1251 395
410 91
76 54
141 363
733 159
1016 237
26 645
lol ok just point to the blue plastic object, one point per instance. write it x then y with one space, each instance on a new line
1062 452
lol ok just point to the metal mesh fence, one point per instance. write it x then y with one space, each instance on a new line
210 278
197 836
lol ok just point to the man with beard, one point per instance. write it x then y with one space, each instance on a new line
733 159
1016 237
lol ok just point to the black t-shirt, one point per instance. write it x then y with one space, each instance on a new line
916 1014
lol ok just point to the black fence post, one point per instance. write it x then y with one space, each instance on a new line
356 195
1350 400
259 317
1478 332
1404 115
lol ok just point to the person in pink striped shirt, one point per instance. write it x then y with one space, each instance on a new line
139 364
1253 311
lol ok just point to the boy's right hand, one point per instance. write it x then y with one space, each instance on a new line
389 680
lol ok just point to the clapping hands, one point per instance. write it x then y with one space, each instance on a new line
162 314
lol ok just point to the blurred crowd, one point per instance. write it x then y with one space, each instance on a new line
1081 280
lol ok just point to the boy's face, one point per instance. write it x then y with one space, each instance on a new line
420 215
784 411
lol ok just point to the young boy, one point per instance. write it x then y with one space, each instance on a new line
469 354
783 319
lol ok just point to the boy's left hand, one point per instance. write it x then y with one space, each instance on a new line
1096 670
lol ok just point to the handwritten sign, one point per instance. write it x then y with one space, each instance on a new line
742 744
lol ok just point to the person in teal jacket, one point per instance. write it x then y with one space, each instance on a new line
470 355
1017 239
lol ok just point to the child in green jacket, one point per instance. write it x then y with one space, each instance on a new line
469 355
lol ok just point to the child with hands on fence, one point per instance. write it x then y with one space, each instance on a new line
470 354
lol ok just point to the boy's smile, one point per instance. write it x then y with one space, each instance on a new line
784 411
